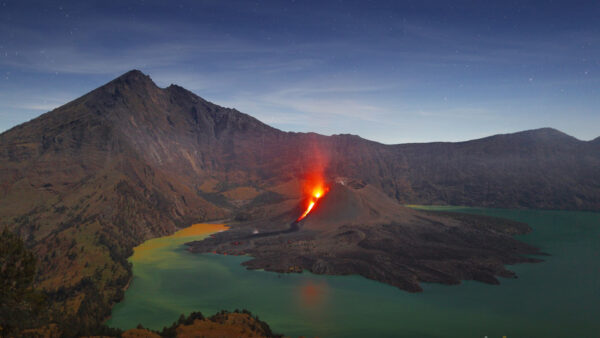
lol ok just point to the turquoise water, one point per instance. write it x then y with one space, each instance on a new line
557 298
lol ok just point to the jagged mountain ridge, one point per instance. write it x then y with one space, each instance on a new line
174 129
129 161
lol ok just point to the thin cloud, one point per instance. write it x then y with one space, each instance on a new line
311 106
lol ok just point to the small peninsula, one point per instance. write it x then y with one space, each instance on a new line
358 230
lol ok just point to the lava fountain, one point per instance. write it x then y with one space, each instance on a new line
316 189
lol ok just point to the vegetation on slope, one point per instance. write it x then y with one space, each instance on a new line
20 303
223 324
27 311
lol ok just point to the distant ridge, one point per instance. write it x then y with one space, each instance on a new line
546 132
545 135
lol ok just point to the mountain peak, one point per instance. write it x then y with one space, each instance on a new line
546 131
132 84
546 134
133 78
134 74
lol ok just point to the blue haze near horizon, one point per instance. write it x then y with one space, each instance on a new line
390 71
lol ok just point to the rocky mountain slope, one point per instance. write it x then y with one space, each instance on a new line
85 183
541 168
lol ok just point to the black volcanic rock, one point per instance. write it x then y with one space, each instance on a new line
356 229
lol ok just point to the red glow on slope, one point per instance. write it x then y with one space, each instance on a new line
316 189
308 209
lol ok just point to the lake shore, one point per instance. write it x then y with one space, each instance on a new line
550 299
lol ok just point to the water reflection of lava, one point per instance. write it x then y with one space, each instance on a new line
313 296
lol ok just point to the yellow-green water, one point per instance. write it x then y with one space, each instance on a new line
557 298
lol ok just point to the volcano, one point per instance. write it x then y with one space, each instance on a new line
352 202
357 229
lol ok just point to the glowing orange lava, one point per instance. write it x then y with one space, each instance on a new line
316 192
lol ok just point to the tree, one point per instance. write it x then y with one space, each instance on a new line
19 302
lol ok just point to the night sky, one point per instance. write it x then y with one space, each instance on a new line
390 71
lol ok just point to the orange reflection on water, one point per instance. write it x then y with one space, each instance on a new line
313 295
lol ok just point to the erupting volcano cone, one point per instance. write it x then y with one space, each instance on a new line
314 188
354 203
317 192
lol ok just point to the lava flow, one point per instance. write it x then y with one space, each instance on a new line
316 192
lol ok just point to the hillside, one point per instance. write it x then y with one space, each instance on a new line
85 183
537 169
221 325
